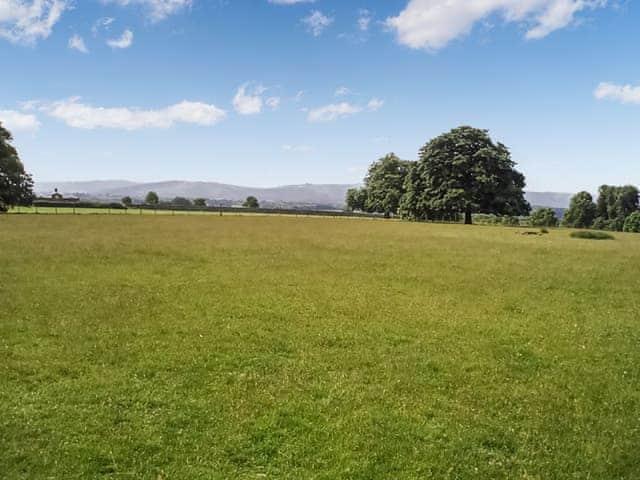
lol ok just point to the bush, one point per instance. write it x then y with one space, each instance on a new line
544 217
632 223
588 235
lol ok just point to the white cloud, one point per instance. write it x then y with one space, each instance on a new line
332 112
432 24
157 9
297 148
18 121
25 22
317 22
248 103
77 43
273 103
342 92
335 111
80 115
364 20
102 23
375 104
618 93
298 97
124 41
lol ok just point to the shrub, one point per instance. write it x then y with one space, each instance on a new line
632 223
544 217
588 235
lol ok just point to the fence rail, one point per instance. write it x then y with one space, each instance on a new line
84 208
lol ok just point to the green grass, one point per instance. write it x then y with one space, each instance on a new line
205 347
588 235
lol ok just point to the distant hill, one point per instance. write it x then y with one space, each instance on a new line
307 194
549 199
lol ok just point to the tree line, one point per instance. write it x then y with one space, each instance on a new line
617 209
152 198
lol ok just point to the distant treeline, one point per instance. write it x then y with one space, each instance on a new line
617 209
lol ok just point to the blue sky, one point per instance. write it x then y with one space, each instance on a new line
263 93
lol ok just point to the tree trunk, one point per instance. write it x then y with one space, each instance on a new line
468 220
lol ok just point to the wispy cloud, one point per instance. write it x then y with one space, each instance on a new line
80 115
317 22
336 111
618 93
297 148
77 43
156 9
124 41
26 22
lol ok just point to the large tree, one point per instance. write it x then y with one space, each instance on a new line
581 212
383 187
464 172
16 186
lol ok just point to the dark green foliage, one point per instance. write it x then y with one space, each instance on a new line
544 217
588 235
581 212
200 202
632 223
463 172
126 201
152 198
614 205
383 187
16 186
251 202
356 199
181 202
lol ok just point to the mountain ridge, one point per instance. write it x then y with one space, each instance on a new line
308 193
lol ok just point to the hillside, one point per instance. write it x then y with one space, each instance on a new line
330 194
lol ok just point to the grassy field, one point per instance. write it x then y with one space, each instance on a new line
204 347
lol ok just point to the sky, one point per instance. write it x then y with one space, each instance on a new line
275 92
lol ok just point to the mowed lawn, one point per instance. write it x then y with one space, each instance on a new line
208 347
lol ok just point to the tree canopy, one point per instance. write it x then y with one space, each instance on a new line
581 212
544 217
181 202
632 223
463 172
383 187
16 186
152 198
614 205
251 202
